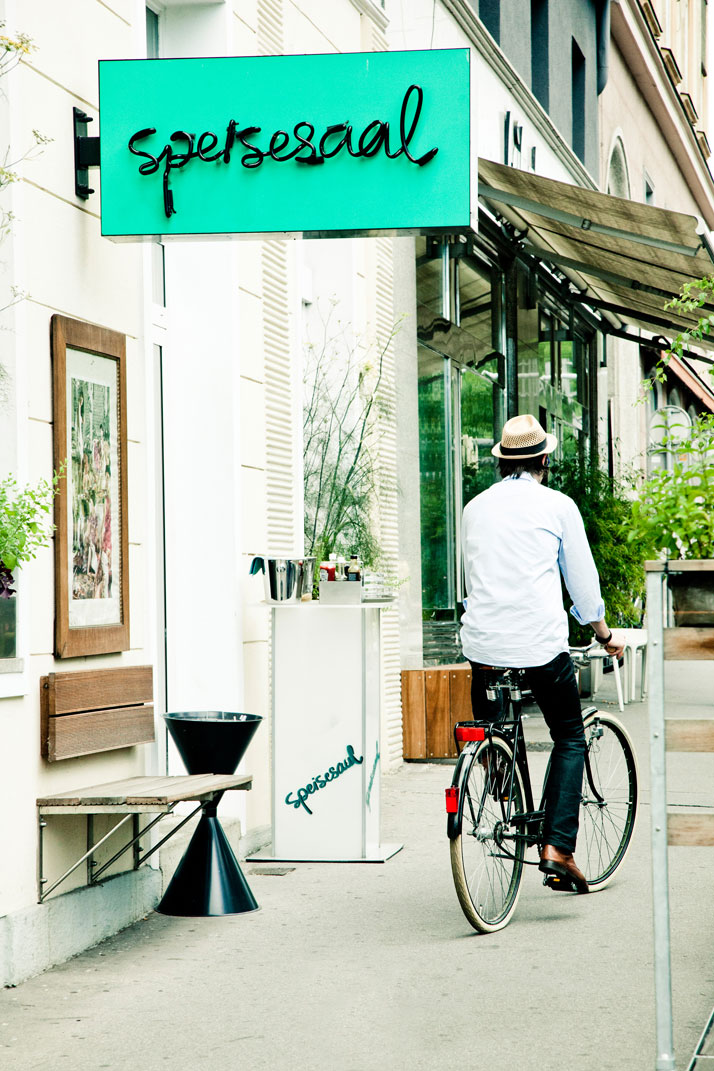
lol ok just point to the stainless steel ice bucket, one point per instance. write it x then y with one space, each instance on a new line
285 579
306 578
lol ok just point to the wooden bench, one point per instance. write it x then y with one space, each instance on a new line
130 798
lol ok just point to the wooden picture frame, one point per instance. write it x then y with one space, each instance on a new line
91 515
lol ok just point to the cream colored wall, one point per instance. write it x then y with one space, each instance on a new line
59 258
624 112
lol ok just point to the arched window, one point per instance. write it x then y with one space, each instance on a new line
618 177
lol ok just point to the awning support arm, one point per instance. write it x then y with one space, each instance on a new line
571 220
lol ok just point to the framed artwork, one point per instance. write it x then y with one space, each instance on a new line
91 540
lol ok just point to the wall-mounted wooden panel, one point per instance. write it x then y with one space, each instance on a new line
91 711
99 730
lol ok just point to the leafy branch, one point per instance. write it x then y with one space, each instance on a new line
693 296
25 524
343 402
12 51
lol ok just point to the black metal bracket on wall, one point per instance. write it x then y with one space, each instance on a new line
86 153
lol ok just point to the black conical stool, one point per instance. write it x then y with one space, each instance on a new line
208 880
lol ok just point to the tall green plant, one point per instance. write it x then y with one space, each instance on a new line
607 512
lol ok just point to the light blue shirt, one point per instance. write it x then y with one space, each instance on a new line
517 538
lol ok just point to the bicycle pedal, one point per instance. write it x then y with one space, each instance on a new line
560 883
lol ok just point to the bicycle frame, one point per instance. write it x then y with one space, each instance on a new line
509 730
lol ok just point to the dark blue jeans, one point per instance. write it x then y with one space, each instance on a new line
555 690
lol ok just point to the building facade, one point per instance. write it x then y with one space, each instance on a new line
518 314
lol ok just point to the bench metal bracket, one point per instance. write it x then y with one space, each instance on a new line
93 875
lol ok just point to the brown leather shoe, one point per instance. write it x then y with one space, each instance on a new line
561 870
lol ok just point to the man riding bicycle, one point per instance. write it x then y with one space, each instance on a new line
518 536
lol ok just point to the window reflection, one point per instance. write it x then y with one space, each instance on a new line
461 411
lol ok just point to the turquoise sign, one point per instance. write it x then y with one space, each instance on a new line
314 145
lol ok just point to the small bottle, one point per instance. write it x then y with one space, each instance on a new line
327 570
341 569
354 571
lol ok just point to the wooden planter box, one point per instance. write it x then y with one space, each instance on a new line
433 700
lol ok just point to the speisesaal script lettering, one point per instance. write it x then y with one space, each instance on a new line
299 799
303 145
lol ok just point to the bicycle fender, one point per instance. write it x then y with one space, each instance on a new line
453 821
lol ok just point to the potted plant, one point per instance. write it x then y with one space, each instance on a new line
25 526
605 505
673 518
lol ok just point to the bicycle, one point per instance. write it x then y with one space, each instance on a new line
491 819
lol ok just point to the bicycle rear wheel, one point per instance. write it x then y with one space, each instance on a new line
486 854
609 801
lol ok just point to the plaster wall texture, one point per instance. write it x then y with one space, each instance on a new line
626 114
405 344
58 258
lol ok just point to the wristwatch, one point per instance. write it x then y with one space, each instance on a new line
604 642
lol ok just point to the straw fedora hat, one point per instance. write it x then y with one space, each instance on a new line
523 437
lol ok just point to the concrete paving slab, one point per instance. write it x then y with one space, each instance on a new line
355 967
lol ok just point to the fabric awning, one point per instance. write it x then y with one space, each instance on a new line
630 258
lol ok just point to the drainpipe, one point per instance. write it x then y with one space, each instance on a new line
603 44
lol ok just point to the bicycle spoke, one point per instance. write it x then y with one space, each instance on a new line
606 822
486 872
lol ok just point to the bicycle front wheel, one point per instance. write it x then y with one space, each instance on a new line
487 853
609 801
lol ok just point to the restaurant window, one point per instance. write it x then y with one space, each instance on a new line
578 100
461 391
556 355
540 79
618 176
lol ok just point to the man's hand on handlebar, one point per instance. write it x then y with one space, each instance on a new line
616 646
612 642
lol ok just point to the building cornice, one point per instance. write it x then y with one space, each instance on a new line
641 53
494 57
373 11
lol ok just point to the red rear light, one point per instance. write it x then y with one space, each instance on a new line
452 800
465 733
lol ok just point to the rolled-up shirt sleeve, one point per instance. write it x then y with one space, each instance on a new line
578 568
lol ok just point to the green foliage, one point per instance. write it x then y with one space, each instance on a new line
674 512
25 524
693 296
607 514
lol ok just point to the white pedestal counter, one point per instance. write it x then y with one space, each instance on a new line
325 734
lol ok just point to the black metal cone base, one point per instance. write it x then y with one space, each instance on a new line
208 880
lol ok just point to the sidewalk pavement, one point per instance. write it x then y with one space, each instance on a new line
355 967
